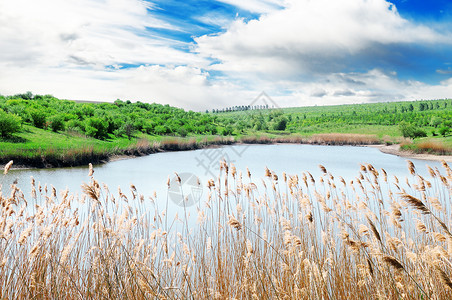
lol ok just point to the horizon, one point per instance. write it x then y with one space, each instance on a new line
201 55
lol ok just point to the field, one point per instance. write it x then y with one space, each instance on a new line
258 236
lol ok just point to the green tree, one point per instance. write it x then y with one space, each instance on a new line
38 118
9 124
182 131
57 123
411 131
96 127
280 124
128 128
445 130
228 130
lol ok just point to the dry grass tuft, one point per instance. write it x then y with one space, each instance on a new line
434 147
344 139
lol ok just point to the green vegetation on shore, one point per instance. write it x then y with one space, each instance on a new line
45 131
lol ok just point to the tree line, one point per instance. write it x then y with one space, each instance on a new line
124 118
100 120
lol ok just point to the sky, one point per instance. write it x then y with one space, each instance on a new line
199 54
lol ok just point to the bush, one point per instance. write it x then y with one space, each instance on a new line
57 123
280 124
38 118
128 128
9 124
182 132
161 129
228 130
444 130
411 131
96 128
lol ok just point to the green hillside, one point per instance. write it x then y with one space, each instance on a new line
46 131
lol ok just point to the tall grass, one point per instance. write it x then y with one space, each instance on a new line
428 146
275 236
344 139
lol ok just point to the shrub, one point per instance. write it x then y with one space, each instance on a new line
182 132
444 130
161 129
411 131
227 130
128 128
57 123
9 124
96 128
280 124
38 118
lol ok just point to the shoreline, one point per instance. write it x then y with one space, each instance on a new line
395 150
388 149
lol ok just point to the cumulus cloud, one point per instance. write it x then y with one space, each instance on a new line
371 86
315 36
180 86
255 6
301 52
83 32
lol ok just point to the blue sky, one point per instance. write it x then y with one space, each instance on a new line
212 54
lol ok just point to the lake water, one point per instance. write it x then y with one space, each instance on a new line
150 173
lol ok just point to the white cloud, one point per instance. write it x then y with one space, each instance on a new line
371 86
82 32
180 86
299 55
255 6
312 36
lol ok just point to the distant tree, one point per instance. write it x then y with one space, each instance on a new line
26 96
435 121
9 124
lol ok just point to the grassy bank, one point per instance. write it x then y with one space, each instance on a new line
436 146
41 148
34 147
273 236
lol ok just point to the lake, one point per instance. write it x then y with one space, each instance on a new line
150 174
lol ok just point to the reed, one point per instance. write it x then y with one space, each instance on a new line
344 139
280 237
434 147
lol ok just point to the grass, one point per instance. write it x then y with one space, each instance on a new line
438 146
42 148
278 236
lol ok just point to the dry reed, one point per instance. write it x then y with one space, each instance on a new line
274 239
